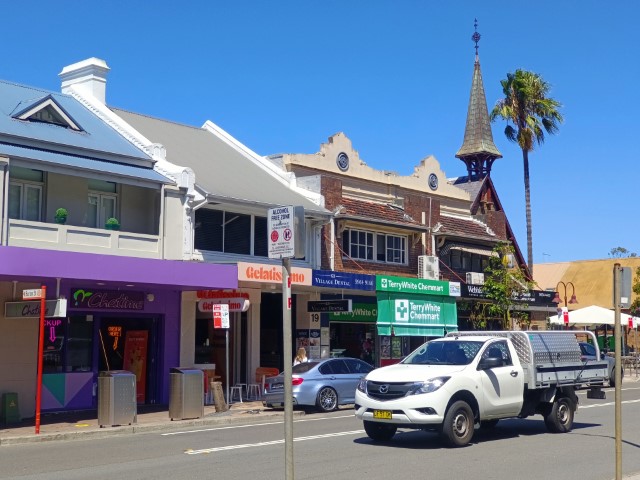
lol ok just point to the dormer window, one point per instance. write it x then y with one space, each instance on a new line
47 110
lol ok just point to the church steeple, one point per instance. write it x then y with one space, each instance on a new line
478 151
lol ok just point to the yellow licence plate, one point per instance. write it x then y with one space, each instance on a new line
384 414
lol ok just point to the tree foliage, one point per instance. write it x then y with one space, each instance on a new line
529 112
621 252
635 305
505 286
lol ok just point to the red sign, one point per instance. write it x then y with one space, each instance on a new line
274 236
630 322
565 316
135 359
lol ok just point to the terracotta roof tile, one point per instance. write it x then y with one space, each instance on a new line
465 228
375 211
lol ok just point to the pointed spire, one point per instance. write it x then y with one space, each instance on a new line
478 151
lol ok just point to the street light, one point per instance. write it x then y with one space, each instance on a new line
556 299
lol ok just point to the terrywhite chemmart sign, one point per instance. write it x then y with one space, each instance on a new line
420 311
418 286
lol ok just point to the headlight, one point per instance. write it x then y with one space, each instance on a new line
429 386
362 385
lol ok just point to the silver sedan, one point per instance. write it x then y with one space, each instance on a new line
323 384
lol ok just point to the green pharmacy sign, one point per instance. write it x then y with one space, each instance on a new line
413 315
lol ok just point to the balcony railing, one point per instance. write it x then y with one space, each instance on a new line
52 236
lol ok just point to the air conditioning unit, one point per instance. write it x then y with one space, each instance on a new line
428 267
475 278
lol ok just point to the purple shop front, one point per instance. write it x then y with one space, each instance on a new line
122 313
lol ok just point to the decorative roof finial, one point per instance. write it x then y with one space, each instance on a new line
476 36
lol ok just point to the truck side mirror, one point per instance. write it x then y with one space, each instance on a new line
490 362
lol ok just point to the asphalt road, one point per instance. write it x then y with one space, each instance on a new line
335 446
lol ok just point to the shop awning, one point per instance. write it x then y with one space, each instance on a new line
476 249
403 314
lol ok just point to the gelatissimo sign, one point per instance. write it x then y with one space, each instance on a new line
417 286
258 272
237 301
106 299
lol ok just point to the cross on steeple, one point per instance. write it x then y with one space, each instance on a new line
478 151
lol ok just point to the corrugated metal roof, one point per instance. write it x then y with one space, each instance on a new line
220 169
96 136
79 165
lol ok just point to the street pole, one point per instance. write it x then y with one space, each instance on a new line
288 354
618 372
43 307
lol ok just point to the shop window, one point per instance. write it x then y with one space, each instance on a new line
68 345
456 259
229 232
384 248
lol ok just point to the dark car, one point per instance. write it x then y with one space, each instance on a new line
323 384
588 352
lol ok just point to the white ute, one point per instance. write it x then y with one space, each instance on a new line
470 379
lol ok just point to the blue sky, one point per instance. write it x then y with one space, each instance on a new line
394 76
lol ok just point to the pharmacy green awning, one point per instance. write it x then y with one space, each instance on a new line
405 314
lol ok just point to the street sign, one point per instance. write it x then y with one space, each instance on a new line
565 316
32 294
220 316
329 306
286 232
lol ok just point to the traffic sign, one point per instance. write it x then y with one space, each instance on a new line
286 232
220 315
32 294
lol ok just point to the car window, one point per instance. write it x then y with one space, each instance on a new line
588 349
499 349
358 366
303 367
334 367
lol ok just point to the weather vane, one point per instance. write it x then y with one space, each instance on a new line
476 36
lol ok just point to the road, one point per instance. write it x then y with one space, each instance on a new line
335 446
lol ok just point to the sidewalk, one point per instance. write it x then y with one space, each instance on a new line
84 424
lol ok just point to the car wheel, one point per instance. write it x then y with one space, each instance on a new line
457 428
379 432
559 418
327 400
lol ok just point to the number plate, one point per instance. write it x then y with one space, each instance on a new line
277 386
384 414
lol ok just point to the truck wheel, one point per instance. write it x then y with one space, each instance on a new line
327 400
559 418
379 432
457 428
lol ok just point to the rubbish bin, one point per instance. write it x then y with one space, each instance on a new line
116 398
9 412
186 393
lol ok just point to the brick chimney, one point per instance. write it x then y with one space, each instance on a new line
88 76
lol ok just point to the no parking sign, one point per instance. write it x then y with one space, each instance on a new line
220 315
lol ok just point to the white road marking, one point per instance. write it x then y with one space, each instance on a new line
231 427
273 442
606 404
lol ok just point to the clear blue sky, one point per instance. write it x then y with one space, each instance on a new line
395 76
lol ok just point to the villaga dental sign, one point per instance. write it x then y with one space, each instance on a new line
417 286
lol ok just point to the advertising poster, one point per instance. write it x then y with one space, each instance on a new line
135 359
314 343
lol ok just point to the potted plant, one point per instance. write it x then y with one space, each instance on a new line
112 224
61 216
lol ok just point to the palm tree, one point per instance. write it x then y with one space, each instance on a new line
529 113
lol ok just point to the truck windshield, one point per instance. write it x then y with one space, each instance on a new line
457 352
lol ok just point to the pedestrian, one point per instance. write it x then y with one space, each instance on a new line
301 356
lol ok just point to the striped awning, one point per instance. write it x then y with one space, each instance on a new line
477 249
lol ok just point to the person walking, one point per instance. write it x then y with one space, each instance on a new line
301 356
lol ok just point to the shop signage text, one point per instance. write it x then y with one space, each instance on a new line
221 294
329 306
107 299
361 312
256 272
352 281
532 297
235 304
53 308
416 285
